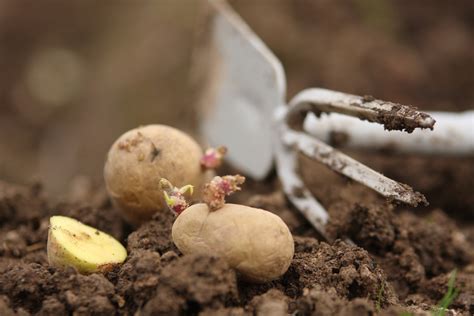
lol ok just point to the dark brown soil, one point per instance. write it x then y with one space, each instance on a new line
412 248
402 263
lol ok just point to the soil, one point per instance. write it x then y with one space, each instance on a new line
383 258
397 260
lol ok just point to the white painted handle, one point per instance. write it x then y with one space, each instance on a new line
453 134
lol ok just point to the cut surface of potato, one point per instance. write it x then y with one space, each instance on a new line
74 244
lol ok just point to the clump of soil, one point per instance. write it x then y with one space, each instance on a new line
26 284
153 235
85 294
273 302
327 302
411 248
5 307
191 284
350 270
137 279
38 289
434 238
392 122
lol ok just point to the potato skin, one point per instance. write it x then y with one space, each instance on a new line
255 242
140 158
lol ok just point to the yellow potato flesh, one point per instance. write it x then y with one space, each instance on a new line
74 244
255 242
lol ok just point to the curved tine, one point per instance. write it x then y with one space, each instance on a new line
296 191
391 115
351 168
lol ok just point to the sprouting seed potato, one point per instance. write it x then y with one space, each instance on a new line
257 243
74 244
140 158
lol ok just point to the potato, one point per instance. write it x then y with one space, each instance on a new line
140 158
74 244
255 242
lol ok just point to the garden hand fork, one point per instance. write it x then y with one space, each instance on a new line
246 110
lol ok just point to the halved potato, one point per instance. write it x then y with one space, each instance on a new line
74 244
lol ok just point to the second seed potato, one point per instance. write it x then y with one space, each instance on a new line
255 242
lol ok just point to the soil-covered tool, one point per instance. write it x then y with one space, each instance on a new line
246 110
453 135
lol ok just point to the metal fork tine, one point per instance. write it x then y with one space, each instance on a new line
351 168
296 191
391 115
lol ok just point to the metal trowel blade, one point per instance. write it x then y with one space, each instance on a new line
245 85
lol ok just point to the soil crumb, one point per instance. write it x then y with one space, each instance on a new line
154 235
191 284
